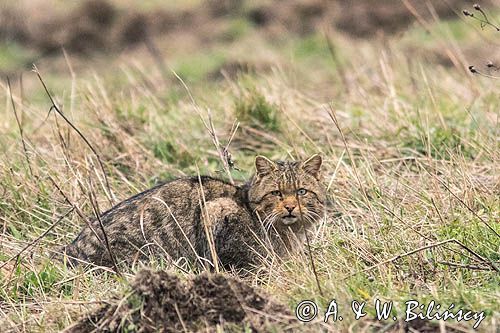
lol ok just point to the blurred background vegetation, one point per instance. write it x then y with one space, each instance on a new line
143 79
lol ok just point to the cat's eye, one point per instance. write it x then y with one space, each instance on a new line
301 191
276 193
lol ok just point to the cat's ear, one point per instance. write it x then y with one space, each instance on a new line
264 166
313 165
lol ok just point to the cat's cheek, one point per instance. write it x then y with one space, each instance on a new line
268 207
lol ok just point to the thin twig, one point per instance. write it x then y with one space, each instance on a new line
78 211
463 203
489 262
21 98
473 267
437 211
220 150
210 128
20 127
474 70
403 222
234 129
207 224
483 21
333 116
225 151
186 238
97 213
36 240
422 248
399 256
308 244
56 108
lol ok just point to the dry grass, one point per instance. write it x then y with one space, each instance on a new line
412 163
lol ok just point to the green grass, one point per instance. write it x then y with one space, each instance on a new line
252 108
169 153
196 67
237 28
13 55
408 131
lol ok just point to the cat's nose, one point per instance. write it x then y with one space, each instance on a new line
289 208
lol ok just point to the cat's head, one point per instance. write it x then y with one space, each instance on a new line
281 191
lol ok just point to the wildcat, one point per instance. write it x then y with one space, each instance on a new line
189 217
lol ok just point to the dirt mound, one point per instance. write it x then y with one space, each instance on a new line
99 25
160 301
366 18
360 19
93 25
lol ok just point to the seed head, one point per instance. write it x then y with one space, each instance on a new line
476 6
467 13
472 69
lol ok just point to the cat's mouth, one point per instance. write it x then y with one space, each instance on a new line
289 219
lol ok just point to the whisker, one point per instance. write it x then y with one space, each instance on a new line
271 222
309 219
313 212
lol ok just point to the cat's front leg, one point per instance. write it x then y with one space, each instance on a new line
233 232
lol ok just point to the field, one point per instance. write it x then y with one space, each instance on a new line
142 94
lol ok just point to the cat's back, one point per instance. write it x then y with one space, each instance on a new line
178 194
167 214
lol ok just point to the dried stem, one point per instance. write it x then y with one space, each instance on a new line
308 244
78 211
36 240
474 70
422 248
484 21
20 127
210 128
333 116
97 213
463 203
473 267
56 108
206 225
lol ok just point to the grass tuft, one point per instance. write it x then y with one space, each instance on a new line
417 163
252 108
